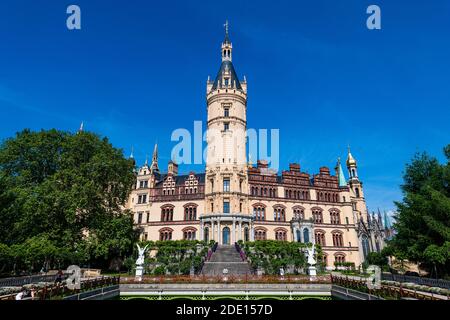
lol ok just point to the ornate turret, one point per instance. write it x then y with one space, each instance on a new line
226 78
351 166
154 166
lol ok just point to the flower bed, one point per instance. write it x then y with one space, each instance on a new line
229 279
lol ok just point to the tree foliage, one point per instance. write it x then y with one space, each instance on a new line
61 199
271 255
422 222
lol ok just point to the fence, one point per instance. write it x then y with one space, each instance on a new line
388 292
441 283
21 281
58 291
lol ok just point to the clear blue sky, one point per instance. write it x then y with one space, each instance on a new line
137 70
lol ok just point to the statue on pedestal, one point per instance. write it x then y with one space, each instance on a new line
140 262
312 262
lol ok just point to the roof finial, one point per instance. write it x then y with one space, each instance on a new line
131 154
226 27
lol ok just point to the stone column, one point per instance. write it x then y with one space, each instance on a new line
201 230
233 232
240 229
218 230
252 232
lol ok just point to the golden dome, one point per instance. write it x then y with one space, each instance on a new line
350 160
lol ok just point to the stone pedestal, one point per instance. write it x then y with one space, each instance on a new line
312 272
259 271
139 273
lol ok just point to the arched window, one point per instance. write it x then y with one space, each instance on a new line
259 212
206 234
298 234
357 192
190 211
334 216
365 246
299 213
279 213
339 257
246 235
317 215
306 235
337 239
281 234
167 213
319 236
325 260
189 233
165 234
260 234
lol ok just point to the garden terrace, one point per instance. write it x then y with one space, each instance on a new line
270 255
175 257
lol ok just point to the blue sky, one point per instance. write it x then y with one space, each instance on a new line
137 70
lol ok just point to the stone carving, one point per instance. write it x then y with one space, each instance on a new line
140 262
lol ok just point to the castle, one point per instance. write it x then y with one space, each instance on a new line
234 200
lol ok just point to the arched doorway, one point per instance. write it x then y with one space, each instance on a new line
206 234
226 235
246 235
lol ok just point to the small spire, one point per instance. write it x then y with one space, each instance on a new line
154 165
81 127
340 174
350 160
146 160
131 154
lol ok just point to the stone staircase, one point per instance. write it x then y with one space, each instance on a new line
225 257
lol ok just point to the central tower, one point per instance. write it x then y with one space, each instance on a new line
226 161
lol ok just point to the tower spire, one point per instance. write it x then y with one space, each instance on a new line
154 165
351 165
226 45
131 154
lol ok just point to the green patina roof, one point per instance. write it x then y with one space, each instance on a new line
341 176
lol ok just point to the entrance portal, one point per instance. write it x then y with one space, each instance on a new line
226 235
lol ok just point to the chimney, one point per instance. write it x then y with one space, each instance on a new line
294 167
172 168
261 164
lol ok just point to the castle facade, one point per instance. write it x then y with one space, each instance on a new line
234 200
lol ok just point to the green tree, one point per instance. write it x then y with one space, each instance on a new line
422 222
377 258
64 191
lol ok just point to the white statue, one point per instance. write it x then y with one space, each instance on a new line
312 263
140 259
311 252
